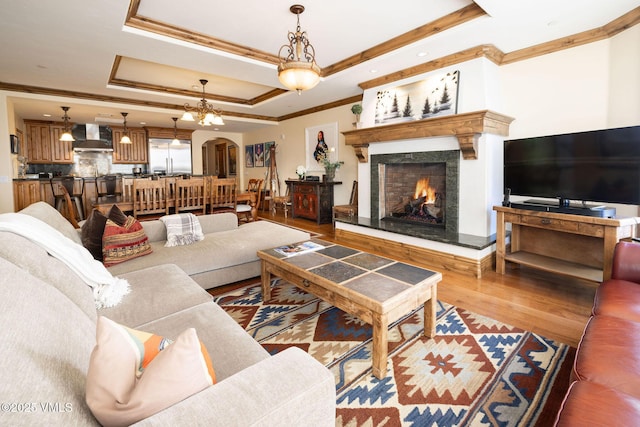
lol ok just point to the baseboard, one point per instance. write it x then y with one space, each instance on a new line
427 258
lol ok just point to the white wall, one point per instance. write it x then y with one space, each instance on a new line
289 137
595 86
7 160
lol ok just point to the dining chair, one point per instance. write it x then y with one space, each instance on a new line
350 210
127 188
281 201
245 210
109 185
75 189
149 198
222 195
70 207
190 195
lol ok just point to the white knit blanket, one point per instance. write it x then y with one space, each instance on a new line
107 290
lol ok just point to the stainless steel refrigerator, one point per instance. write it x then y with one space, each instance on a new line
169 159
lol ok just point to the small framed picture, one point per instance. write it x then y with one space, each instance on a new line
258 155
318 139
248 156
267 152
233 155
15 144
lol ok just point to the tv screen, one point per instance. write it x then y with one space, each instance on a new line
599 166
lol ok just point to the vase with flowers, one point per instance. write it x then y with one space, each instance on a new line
301 171
329 165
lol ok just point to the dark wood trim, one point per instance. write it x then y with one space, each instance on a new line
494 54
467 127
143 23
103 98
483 51
115 81
345 101
614 27
446 22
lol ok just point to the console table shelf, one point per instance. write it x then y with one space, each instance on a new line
572 245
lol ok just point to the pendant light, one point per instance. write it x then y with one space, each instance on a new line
66 135
298 69
175 141
125 134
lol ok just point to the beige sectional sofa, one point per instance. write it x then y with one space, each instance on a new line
48 333
226 255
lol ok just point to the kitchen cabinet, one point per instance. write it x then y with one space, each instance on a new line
312 200
61 151
38 142
43 145
134 153
25 192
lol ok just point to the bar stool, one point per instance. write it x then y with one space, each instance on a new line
109 185
75 188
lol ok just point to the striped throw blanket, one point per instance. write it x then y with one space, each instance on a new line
182 229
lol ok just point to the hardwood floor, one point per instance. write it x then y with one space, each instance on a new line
553 306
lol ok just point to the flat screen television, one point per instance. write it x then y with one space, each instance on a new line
595 166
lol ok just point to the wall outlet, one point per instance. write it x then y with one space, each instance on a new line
4 179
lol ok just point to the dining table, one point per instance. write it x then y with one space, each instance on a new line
125 203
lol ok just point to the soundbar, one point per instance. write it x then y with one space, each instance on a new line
585 210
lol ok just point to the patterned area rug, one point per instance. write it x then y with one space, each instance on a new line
475 372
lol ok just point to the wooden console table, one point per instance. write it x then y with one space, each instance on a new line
572 245
312 200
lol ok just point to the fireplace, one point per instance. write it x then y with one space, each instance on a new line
416 190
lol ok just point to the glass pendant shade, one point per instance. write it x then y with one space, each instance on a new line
125 134
298 69
298 75
66 135
175 141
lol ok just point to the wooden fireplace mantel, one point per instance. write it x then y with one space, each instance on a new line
467 127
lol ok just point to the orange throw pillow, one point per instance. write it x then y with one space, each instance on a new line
133 374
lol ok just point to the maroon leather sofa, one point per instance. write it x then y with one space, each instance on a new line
605 388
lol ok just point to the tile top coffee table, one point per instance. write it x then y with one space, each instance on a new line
375 289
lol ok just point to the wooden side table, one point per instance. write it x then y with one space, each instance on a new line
312 200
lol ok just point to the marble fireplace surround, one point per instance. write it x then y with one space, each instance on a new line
429 246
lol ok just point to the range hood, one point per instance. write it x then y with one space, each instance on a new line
91 137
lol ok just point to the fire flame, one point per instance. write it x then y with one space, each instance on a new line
423 190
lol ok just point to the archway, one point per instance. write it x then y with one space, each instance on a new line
220 158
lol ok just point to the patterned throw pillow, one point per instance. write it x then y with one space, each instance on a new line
122 243
93 229
133 375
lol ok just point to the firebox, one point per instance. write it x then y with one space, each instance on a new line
416 189
414 192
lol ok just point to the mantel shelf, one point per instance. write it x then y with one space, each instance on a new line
467 127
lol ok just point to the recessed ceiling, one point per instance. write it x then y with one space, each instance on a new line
146 57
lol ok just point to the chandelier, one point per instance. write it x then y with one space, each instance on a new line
125 134
205 112
66 135
298 69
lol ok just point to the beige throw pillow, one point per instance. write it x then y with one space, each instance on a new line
119 395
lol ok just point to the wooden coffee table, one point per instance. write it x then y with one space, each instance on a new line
375 289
